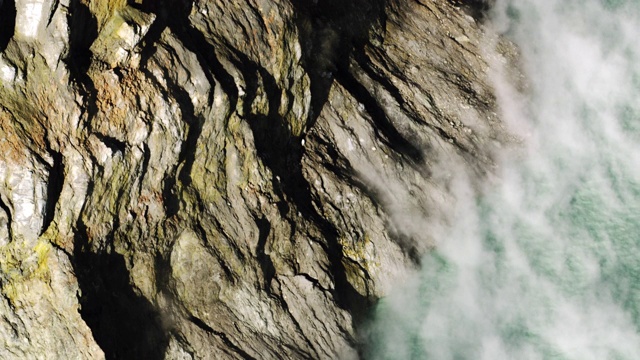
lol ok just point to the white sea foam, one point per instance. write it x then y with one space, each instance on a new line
545 262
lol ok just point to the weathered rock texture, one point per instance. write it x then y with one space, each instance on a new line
224 179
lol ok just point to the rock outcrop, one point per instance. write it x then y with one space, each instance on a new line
225 179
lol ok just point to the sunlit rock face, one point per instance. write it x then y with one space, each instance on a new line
205 179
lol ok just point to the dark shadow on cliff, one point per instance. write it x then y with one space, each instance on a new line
334 36
477 9
329 31
281 151
54 187
124 324
384 128
7 22
174 15
83 30
266 264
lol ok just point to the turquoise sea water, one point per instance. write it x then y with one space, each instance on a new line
544 263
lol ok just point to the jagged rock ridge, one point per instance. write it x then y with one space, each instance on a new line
221 179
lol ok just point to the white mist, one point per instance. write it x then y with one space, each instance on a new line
545 263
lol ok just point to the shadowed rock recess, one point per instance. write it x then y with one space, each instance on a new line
218 179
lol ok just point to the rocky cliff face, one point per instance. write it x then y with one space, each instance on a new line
225 179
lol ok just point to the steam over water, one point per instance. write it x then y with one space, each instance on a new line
545 262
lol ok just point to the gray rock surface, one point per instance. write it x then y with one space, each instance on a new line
225 179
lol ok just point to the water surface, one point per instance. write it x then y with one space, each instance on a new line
545 262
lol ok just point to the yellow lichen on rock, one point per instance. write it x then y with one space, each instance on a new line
104 9
42 250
